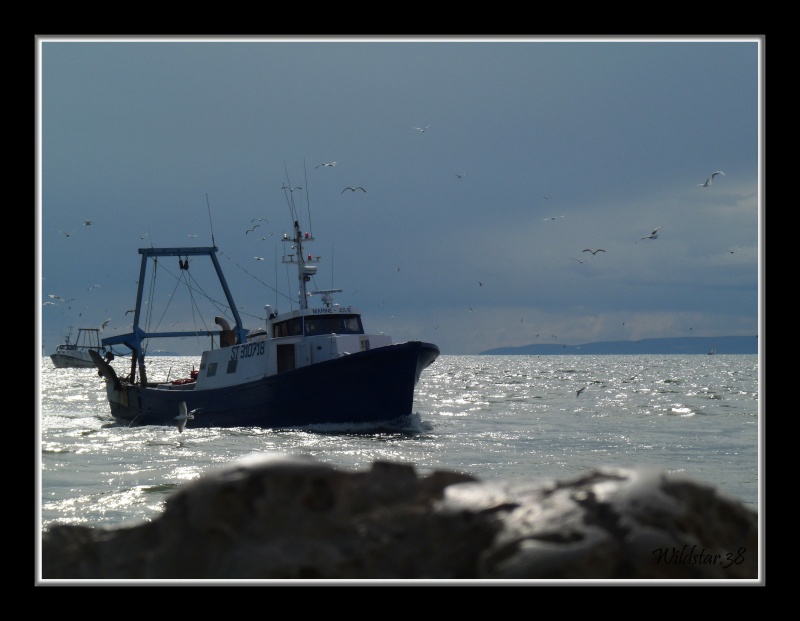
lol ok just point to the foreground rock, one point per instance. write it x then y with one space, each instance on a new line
291 518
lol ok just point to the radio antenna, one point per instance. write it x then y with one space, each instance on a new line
210 224
308 199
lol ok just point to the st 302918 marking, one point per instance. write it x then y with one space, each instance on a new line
248 350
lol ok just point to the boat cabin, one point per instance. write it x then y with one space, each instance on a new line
290 341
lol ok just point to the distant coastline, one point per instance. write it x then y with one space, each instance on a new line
679 345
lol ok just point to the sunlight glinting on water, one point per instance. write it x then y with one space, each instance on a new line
494 417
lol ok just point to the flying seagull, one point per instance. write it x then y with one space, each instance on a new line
105 323
461 176
183 416
579 391
422 129
710 180
286 187
653 235
324 164
259 258
354 189
87 222
594 251
65 234
251 230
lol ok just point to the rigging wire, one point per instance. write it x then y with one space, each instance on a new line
194 289
210 224
256 278
290 196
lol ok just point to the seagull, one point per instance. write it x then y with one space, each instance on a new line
711 178
354 189
574 259
87 222
130 310
259 258
422 129
183 416
461 176
579 391
143 236
54 296
190 235
553 218
653 235
105 323
594 252
323 164
251 230
65 234
259 220
286 187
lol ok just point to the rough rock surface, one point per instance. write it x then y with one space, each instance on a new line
296 519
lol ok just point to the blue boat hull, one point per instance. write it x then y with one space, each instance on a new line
364 387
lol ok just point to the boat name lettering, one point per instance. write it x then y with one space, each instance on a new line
248 350
331 311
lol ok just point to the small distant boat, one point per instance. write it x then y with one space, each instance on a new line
713 349
307 366
76 354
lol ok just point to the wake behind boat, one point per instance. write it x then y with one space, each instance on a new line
307 366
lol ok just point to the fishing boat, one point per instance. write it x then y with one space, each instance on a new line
311 365
76 354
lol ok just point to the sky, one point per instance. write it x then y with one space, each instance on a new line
472 234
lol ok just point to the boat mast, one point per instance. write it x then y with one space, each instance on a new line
305 268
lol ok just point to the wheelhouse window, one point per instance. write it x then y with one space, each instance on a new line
333 324
290 327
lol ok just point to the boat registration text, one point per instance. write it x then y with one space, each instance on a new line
248 350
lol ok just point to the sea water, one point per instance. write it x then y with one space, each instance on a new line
498 418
